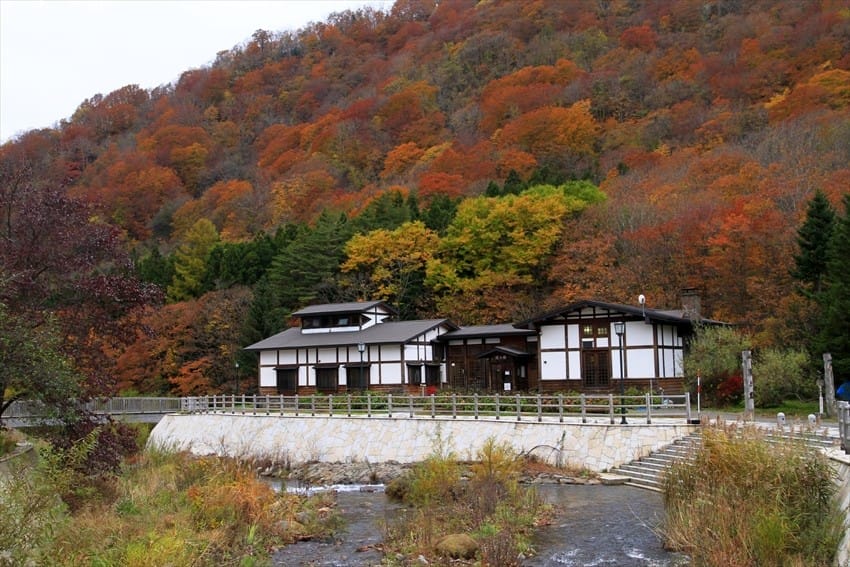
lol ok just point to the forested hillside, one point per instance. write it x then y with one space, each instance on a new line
481 161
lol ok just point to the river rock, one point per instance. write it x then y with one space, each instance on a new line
457 546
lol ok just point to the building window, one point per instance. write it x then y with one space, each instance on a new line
327 379
287 380
587 331
414 375
330 321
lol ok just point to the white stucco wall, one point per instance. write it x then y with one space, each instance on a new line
597 447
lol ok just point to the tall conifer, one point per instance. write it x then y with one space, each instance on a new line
813 238
835 299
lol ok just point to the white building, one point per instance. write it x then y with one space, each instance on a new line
352 346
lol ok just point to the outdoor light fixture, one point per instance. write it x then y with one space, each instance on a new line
360 348
620 329
236 365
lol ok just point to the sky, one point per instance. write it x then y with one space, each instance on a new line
54 54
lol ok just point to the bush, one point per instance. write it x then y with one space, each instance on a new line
779 375
715 356
30 515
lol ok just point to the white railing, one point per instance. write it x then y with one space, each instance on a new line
583 408
844 425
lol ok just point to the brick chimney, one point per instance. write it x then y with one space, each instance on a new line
690 304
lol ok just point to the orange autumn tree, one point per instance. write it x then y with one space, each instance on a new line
524 90
233 206
186 348
563 138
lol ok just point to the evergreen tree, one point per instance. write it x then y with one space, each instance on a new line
493 190
813 239
239 263
514 185
834 300
389 211
305 272
440 213
155 268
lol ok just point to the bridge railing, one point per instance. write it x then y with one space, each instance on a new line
28 409
631 409
844 425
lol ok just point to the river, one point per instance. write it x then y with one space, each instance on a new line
595 526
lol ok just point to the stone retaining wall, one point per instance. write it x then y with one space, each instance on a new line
597 447
841 464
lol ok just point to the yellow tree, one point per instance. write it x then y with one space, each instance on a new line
190 261
496 251
390 264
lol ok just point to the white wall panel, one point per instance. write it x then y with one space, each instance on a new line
575 366
554 366
572 335
552 336
327 355
286 357
268 377
390 374
640 363
638 333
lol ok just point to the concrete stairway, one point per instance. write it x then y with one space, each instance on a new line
648 472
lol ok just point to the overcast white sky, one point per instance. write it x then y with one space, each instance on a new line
54 54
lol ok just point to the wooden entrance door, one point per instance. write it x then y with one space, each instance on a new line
596 368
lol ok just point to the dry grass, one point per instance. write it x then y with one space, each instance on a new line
178 510
744 502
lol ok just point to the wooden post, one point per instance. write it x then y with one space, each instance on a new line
749 400
829 384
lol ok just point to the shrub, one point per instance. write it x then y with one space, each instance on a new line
30 515
779 375
715 356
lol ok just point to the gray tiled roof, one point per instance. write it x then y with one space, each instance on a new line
475 331
383 333
676 317
333 308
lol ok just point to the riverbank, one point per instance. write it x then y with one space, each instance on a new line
364 473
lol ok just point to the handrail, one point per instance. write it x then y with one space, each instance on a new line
537 407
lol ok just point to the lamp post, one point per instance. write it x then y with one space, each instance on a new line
360 348
620 329
236 366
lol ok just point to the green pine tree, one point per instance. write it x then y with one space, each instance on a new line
306 271
813 239
834 300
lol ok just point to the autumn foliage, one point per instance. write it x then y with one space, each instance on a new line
413 155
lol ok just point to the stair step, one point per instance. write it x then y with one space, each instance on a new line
646 466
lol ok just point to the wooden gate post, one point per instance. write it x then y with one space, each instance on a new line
828 384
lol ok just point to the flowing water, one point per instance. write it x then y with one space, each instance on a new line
594 526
